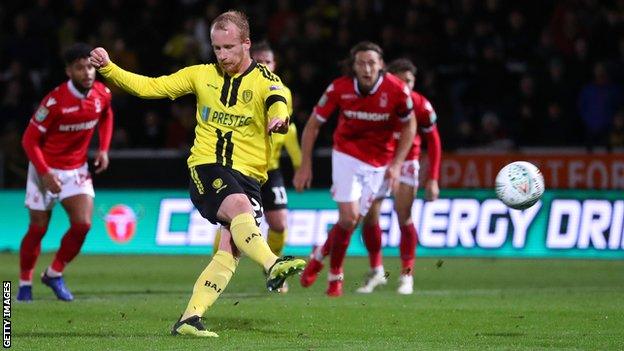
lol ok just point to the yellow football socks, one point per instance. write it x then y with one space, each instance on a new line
248 240
276 241
211 283
217 241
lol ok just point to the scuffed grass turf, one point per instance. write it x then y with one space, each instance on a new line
131 302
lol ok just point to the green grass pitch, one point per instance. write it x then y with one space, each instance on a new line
131 302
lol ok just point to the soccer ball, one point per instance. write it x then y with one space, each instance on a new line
519 185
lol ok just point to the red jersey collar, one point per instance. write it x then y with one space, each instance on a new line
72 89
373 90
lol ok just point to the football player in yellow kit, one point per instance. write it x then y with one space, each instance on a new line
239 105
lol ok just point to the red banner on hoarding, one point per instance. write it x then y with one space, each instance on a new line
561 171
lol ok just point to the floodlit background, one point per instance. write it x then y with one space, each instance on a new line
540 81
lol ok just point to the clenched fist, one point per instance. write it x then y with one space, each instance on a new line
99 58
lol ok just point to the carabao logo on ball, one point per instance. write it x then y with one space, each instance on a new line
520 180
519 185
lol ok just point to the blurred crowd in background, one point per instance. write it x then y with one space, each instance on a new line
500 74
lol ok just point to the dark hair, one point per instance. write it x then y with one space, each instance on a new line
260 46
76 51
401 65
347 64
238 18
365 46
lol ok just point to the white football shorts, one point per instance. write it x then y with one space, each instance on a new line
409 173
355 180
73 182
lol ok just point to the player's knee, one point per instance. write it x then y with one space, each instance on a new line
277 223
81 228
370 220
234 205
279 226
38 227
348 222
40 222
403 215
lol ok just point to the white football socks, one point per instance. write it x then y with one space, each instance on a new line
52 273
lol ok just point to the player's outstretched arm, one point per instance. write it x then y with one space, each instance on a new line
171 86
277 99
291 143
434 151
105 129
432 190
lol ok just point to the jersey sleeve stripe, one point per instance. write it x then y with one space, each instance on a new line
273 99
41 128
320 118
407 117
406 114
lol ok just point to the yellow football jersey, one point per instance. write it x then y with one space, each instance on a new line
232 111
289 140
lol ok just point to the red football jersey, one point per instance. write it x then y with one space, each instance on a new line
59 132
366 122
426 128
425 120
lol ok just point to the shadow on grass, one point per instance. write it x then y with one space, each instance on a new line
260 326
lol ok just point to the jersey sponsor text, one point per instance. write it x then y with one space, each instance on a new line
78 126
367 116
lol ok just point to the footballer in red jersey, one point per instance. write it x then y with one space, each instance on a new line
405 190
56 142
365 161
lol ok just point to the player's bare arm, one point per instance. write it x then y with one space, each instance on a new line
101 161
432 190
303 176
434 151
403 146
51 182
